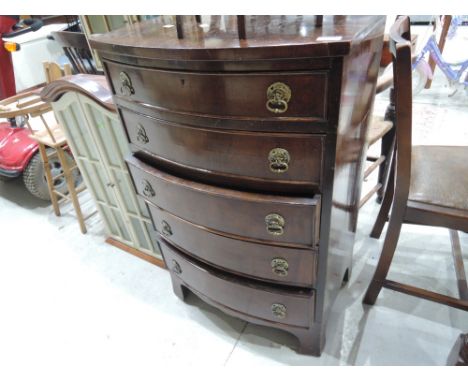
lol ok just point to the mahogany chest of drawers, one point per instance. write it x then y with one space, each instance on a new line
248 152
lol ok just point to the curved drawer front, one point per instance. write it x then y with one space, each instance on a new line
290 266
253 95
269 157
263 217
238 294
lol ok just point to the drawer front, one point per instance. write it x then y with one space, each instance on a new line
256 216
250 298
291 158
290 266
255 95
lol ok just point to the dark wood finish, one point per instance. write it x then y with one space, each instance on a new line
233 212
238 294
230 95
241 27
273 125
428 189
269 37
179 27
234 254
204 97
386 58
230 154
136 252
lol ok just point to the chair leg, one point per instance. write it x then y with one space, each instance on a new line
386 256
71 188
459 266
385 207
49 179
387 149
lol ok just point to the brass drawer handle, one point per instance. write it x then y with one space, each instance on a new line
278 96
142 137
275 224
279 267
176 267
126 87
279 310
148 190
166 228
279 160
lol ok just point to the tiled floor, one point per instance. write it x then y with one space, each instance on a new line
70 301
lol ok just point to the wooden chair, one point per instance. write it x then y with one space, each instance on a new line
76 48
427 185
381 129
54 72
51 140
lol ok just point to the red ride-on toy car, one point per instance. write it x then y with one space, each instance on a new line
18 152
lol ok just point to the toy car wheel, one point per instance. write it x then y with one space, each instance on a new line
35 179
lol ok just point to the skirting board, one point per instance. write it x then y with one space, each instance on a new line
136 252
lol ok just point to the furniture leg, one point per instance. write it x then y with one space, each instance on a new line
71 188
49 178
443 36
387 148
311 341
178 288
386 256
346 276
386 204
459 266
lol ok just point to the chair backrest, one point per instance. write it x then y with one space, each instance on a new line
400 48
53 71
76 48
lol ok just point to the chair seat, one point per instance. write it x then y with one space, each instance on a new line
42 136
439 176
378 127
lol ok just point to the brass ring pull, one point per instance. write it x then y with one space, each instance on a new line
279 267
279 310
176 267
142 137
166 228
126 87
278 96
275 224
279 160
148 190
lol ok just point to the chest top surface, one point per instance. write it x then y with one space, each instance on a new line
217 37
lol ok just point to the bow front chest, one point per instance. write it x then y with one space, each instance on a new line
248 137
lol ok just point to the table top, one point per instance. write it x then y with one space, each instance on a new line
217 38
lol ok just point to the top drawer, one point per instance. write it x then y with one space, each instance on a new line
238 95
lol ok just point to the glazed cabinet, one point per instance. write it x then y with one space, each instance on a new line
83 106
